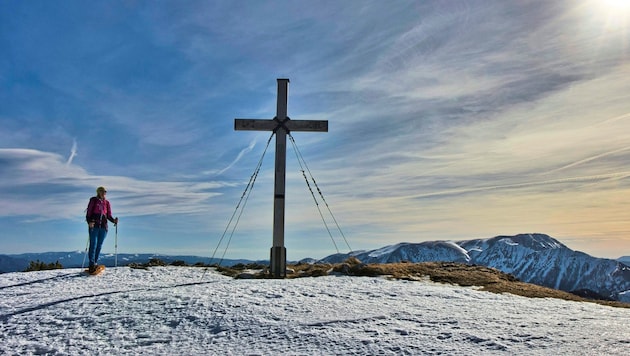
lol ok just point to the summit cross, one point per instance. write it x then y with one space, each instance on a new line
281 125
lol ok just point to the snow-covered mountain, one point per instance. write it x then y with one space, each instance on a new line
533 258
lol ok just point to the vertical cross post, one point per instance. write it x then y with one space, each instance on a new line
281 125
278 262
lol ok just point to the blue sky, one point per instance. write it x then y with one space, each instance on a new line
448 120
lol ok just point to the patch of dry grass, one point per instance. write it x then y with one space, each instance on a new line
489 279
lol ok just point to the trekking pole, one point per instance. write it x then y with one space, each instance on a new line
116 247
86 251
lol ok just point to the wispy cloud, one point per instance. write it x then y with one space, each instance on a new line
40 184
73 152
240 155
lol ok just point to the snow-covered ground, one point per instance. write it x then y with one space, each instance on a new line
179 310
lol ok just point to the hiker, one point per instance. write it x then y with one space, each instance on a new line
98 212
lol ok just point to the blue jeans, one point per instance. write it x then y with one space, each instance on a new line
97 236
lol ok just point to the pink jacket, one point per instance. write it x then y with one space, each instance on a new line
98 212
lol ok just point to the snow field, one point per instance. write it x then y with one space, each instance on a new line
180 310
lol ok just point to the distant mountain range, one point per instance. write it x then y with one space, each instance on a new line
17 263
532 258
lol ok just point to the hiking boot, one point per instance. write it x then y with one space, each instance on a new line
92 269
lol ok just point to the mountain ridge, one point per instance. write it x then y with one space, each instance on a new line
533 258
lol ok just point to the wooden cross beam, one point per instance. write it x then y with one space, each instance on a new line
281 125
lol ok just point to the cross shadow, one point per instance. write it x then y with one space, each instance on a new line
5 317
61 277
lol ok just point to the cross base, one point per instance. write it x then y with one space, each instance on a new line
278 262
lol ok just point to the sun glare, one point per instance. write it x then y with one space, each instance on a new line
616 12
619 5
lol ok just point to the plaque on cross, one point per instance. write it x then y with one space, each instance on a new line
281 125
